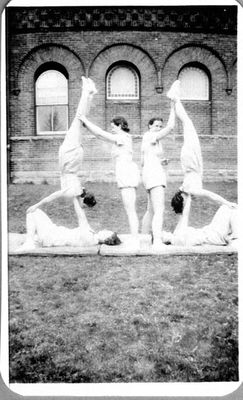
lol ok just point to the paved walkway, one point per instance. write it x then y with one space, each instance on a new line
124 249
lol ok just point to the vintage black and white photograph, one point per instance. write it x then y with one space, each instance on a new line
121 177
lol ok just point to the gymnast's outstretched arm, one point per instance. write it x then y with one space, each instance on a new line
100 133
82 219
170 124
184 217
213 196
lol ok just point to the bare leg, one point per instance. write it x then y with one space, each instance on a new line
157 199
191 156
74 133
189 130
129 202
88 92
147 218
32 229
225 221
234 223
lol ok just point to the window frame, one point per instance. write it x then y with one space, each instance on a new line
117 98
206 73
42 70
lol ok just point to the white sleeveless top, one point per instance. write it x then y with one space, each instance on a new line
62 236
122 149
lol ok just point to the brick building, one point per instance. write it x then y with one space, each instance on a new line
133 54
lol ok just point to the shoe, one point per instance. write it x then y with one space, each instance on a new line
174 92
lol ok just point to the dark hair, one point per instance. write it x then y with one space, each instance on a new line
88 198
177 202
122 122
113 240
151 121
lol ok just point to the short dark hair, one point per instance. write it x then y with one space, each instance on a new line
88 198
122 122
151 121
177 202
113 240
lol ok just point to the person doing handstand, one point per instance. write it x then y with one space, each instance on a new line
154 177
71 156
191 156
222 230
42 232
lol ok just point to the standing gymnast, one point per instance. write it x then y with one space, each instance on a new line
154 177
126 170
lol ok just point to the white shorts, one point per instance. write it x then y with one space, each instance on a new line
127 174
153 175
192 182
72 182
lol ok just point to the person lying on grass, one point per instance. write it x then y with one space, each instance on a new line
42 232
222 230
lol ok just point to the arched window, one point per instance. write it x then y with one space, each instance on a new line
194 83
51 99
122 83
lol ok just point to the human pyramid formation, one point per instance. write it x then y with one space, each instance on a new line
42 232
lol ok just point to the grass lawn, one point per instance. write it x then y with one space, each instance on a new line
121 319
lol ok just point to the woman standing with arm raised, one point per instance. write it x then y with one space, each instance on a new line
154 177
126 170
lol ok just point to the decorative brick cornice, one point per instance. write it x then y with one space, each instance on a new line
215 19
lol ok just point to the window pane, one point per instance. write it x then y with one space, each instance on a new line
52 119
44 119
194 84
122 83
59 118
51 88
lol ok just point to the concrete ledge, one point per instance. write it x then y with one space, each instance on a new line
169 251
124 249
58 251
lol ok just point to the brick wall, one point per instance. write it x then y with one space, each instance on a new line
158 56
37 160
